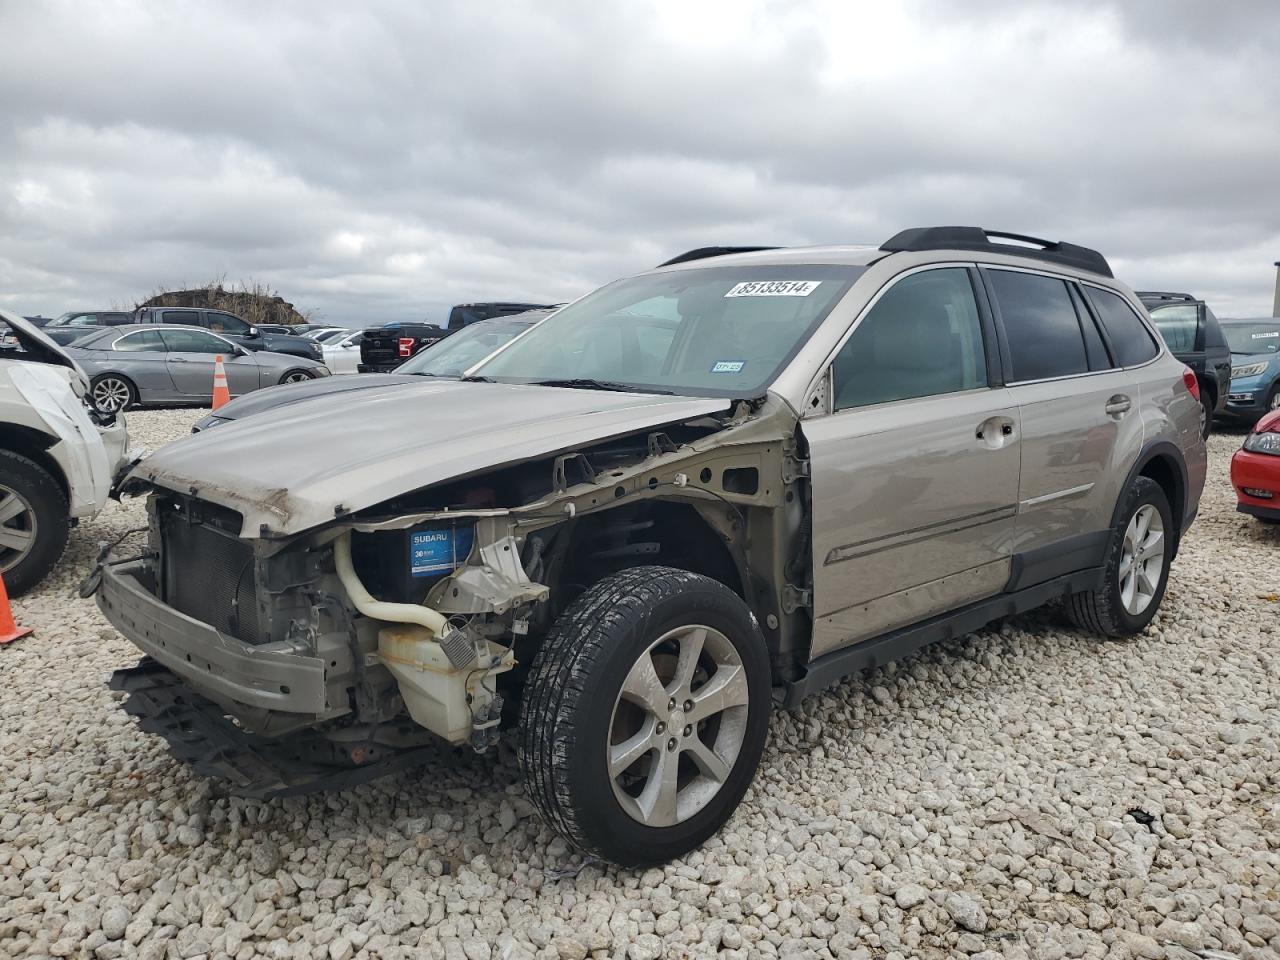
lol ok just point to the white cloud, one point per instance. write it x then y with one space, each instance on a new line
385 160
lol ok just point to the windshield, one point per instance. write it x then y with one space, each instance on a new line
1262 337
452 356
332 336
714 331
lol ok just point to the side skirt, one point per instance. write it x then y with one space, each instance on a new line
834 667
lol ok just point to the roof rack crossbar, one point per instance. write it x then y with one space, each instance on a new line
978 238
702 253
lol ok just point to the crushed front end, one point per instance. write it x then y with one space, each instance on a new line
260 668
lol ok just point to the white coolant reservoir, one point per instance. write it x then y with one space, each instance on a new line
446 700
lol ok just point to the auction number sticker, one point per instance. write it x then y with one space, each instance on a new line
774 288
1265 336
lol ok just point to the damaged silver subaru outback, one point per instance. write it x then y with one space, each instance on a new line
694 494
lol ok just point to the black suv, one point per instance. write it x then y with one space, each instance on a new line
235 329
1194 336
465 314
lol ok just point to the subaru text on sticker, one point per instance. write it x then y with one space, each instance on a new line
933 434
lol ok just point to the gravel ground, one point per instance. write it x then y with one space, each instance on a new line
1026 792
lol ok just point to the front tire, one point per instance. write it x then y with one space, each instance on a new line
296 376
112 393
645 714
1135 569
34 522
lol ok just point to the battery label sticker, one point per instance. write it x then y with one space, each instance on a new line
438 551
728 366
774 288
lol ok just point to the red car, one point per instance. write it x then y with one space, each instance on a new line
1255 470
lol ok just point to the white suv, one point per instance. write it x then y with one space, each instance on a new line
57 458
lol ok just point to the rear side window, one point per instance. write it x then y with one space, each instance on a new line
226 323
1130 340
923 338
1040 325
1177 325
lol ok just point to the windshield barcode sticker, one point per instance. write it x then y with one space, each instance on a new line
1265 336
774 288
728 366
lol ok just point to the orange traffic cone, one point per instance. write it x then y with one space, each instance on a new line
9 631
221 395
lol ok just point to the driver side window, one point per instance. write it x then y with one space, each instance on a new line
226 323
923 338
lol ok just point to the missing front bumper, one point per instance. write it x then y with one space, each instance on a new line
199 734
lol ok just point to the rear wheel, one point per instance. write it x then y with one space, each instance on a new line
1206 412
645 714
112 393
34 522
1136 566
296 376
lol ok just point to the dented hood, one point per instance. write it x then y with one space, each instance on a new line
299 466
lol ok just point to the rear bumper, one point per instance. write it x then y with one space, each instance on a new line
1259 472
223 668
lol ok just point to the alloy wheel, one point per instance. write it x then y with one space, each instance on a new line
677 726
1275 401
1141 559
18 528
296 377
110 394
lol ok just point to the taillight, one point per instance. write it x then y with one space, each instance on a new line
406 348
1191 383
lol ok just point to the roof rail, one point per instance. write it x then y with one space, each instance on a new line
977 238
1164 295
702 253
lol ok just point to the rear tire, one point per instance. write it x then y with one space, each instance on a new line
1206 404
1132 587
607 760
34 522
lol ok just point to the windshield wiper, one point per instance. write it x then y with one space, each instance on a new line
586 383
476 379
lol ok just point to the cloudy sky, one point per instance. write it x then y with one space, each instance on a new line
382 160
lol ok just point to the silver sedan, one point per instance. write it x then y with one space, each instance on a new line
150 363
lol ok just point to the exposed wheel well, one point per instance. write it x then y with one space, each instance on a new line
34 445
1164 470
642 534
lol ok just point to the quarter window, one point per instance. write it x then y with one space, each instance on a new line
1177 325
923 338
1040 324
1130 340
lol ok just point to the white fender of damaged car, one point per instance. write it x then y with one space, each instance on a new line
82 448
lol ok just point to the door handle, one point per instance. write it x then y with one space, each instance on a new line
1118 405
177 359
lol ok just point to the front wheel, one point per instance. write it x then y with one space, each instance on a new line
34 522
1135 569
112 393
296 376
645 714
